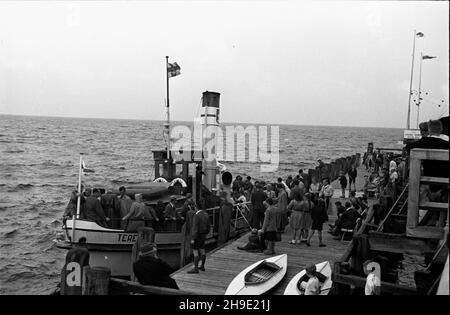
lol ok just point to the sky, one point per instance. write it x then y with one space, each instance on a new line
339 63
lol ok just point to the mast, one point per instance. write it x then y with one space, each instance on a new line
420 92
77 215
167 123
410 83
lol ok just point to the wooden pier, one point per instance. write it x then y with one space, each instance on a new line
223 264
227 261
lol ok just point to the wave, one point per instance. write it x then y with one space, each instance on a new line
20 187
11 233
21 275
13 151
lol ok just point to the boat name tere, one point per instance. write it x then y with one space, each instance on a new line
127 238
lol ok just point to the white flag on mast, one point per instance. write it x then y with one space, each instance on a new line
85 169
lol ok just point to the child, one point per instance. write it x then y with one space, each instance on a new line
254 243
312 287
373 283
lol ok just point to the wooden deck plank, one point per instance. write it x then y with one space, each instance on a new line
223 265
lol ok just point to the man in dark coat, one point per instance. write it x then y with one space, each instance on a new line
257 199
93 210
200 229
71 208
171 215
151 270
347 220
111 206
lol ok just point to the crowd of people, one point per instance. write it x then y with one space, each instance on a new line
300 202
121 212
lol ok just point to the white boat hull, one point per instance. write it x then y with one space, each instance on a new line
112 248
238 287
323 267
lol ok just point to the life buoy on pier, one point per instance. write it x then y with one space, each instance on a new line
160 180
180 181
222 168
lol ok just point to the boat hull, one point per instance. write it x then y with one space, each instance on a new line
238 286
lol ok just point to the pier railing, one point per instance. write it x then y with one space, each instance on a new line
415 205
347 270
331 170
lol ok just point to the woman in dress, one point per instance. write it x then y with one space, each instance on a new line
319 216
295 219
305 222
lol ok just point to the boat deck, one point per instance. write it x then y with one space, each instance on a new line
227 261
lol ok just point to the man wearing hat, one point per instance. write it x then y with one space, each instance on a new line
188 205
171 215
151 270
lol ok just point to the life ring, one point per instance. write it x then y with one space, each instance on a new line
160 180
222 168
178 180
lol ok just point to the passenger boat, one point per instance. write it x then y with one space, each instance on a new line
294 287
112 248
260 277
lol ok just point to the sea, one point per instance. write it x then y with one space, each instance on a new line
39 158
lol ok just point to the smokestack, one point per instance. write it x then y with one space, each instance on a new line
210 120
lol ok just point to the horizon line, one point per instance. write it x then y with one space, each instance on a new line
222 122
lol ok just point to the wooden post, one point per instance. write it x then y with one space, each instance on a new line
413 194
327 170
194 184
185 171
319 173
333 171
145 235
96 281
73 271
225 214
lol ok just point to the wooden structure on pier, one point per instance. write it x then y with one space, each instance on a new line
418 237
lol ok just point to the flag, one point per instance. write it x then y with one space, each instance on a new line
428 57
173 69
420 34
86 170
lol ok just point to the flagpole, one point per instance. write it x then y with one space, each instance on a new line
410 83
77 215
420 91
167 109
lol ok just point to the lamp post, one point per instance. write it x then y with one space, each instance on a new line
416 34
422 57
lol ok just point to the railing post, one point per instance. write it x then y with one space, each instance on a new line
413 193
